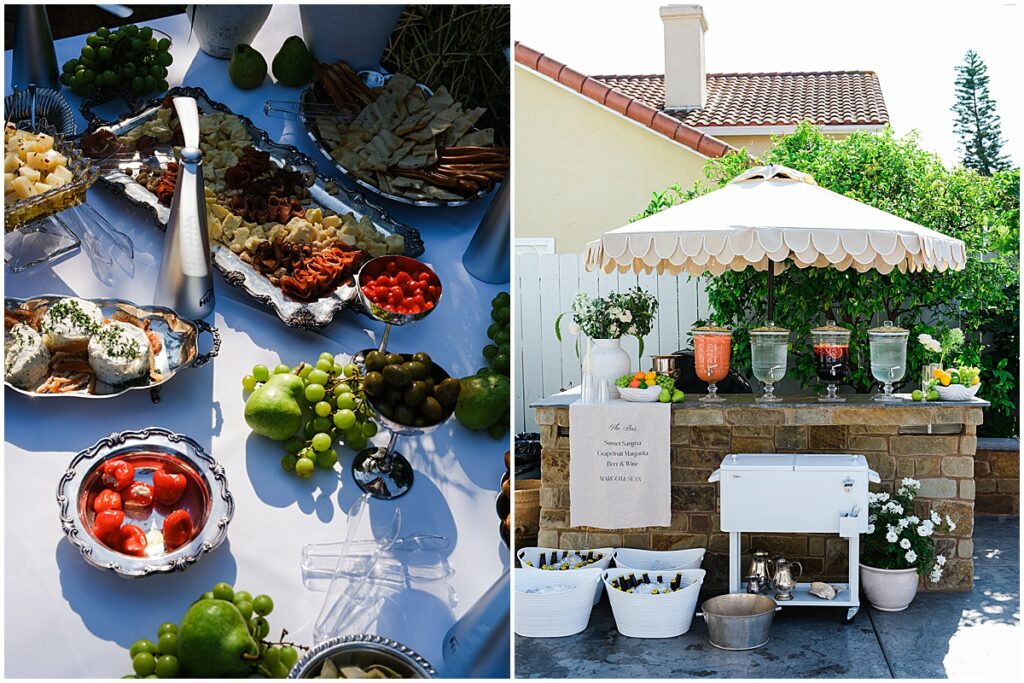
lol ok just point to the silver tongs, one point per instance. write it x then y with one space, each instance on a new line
308 112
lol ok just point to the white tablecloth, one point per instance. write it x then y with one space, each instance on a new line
63 618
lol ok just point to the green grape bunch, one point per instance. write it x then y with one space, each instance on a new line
161 659
498 354
125 58
336 408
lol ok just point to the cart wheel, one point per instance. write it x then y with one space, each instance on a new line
850 614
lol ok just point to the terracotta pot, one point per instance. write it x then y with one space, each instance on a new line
219 28
889 590
527 499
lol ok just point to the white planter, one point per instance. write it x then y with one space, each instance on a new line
654 616
648 395
554 615
957 392
658 560
356 34
889 590
219 28
607 360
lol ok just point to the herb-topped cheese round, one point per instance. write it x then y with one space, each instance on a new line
119 352
68 324
26 358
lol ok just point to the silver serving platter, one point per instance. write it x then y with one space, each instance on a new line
388 652
237 272
180 338
81 471
314 95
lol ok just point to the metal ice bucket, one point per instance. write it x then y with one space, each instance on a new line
739 621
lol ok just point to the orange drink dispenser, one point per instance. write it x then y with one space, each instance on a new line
712 348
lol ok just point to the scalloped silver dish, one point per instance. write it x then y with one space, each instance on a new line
237 272
180 338
220 509
312 95
392 653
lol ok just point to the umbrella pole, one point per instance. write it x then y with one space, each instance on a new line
771 291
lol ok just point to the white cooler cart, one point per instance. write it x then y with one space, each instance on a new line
796 493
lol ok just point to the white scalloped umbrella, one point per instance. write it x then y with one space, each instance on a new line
773 214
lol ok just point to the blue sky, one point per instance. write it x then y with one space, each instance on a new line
913 46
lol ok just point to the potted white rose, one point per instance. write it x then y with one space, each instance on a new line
898 547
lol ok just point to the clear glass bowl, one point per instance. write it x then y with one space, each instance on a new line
768 351
888 345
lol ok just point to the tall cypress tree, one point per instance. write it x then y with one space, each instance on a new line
977 123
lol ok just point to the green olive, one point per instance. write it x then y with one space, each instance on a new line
375 360
415 394
373 384
393 395
423 358
417 370
447 393
431 410
404 415
386 409
396 376
394 359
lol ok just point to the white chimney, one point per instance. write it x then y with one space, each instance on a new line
685 73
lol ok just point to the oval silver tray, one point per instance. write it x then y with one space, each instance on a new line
180 338
237 272
218 516
314 95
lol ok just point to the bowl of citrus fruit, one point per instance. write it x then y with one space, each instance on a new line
952 384
647 387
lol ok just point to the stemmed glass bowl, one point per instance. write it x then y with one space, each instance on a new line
888 345
394 264
768 349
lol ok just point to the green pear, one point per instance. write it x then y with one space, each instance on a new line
214 641
293 65
292 383
274 409
248 68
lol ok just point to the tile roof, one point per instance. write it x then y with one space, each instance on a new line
627 104
825 98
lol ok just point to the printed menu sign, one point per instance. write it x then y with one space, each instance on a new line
620 467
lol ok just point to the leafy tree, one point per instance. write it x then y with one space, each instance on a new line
977 123
896 175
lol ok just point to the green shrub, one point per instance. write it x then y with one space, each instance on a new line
897 175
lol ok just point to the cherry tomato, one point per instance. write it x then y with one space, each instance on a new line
391 267
168 488
117 474
139 496
107 500
178 529
403 279
107 527
133 540
424 276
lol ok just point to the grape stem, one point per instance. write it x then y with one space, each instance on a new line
283 642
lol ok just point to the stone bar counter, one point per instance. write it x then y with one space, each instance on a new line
932 442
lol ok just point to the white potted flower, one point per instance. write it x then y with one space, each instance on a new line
605 320
898 547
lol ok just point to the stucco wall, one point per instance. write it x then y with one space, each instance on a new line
755 144
584 170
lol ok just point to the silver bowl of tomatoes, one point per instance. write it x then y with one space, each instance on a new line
398 289
144 502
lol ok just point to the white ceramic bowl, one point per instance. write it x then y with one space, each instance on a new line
957 392
658 560
553 615
654 616
648 395
533 555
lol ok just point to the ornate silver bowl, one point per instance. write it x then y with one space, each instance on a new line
345 649
206 498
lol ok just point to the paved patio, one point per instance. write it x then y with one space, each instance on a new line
941 635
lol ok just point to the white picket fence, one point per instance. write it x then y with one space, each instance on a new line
545 287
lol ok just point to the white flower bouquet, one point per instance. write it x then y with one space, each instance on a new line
620 314
897 538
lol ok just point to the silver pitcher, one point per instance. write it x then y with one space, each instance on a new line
185 282
759 569
783 578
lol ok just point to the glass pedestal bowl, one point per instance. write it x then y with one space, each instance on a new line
712 349
376 267
888 345
386 473
769 346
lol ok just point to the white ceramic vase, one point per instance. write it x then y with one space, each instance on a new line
606 359
219 28
889 590
356 34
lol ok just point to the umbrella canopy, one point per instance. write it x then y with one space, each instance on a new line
768 215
